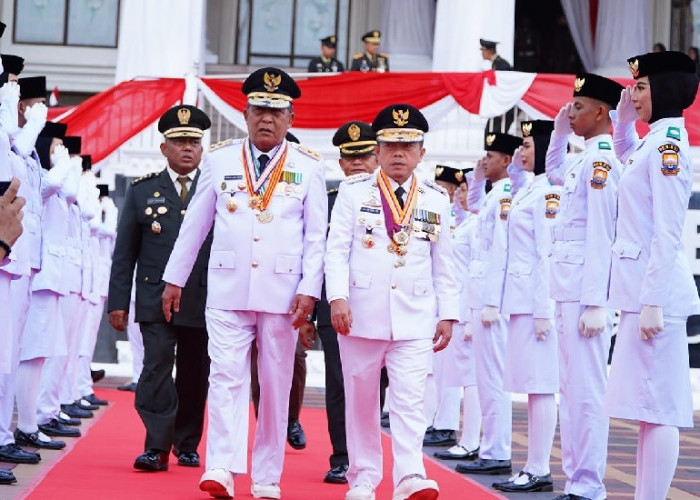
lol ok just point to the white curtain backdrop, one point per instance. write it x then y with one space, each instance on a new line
579 19
407 33
623 31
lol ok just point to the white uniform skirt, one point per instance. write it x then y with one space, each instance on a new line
532 366
44 335
650 379
455 363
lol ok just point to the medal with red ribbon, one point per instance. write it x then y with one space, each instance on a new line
261 189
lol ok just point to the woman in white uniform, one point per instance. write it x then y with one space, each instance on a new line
651 282
531 363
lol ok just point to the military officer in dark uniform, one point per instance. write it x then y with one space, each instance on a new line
489 53
155 205
371 59
326 62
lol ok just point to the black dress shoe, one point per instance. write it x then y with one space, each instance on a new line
187 458
336 475
128 387
75 412
93 399
485 466
33 439
66 420
457 453
7 477
384 419
84 404
97 375
152 461
569 496
440 437
16 455
295 435
534 483
56 428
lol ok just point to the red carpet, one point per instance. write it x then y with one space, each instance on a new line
100 465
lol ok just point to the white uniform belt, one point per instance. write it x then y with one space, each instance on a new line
568 233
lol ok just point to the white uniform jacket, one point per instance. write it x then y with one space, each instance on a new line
649 265
585 227
463 239
531 216
255 266
390 302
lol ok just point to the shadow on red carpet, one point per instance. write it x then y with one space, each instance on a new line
99 466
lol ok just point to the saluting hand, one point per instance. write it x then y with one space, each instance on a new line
562 124
341 317
302 307
171 300
625 108
443 334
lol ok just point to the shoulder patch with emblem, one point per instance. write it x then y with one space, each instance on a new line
505 208
674 133
352 179
435 186
604 145
669 158
308 152
600 174
551 205
357 56
144 177
221 144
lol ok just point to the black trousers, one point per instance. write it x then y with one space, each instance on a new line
335 395
173 410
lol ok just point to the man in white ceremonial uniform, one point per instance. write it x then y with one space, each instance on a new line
490 326
393 292
267 200
580 271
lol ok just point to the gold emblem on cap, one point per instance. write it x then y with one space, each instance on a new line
332 39
459 175
400 117
184 114
634 68
272 81
375 33
439 171
490 138
526 128
578 84
354 132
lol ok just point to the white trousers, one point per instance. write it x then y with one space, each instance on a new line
133 331
231 334
407 363
86 348
496 407
582 424
449 397
7 337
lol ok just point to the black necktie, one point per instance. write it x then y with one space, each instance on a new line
399 195
262 162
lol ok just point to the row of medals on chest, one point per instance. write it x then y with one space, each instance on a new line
156 228
255 201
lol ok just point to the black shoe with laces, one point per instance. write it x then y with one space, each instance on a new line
14 454
295 435
7 477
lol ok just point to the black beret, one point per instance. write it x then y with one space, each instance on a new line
32 87
536 127
329 41
597 87
12 64
373 36
54 129
355 138
87 163
487 44
270 88
72 144
400 123
501 143
661 62
183 121
104 189
291 137
449 174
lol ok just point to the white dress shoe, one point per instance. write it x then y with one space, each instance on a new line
416 488
218 483
360 492
266 491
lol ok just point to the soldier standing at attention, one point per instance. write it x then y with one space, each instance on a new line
326 62
371 59
489 53
155 205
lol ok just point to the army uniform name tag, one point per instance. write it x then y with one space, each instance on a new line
155 201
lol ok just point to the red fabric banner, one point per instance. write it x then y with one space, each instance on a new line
108 119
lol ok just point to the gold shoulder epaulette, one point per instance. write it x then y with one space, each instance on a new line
143 178
385 56
358 56
357 178
220 144
435 186
308 152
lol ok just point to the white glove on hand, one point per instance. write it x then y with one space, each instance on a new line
516 165
9 97
468 331
107 204
26 138
651 321
542 327
76 165
489 315
625 108
479 170
60 154
9 90
562 125
592 321
37 113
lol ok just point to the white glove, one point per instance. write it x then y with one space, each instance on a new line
651 321
516 164
562 125
625 112
9 90
542 327
26 138
592 321
489 315
9 97
479 170
107 203
468 331
60 153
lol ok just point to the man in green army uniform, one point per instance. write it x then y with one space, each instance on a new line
371 59
326 62
155 205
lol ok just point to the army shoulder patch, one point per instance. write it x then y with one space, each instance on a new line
600 174
604 145
674 133
308 152
144 177
551 205
669 158
435 186
221 144
357 178
505 208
